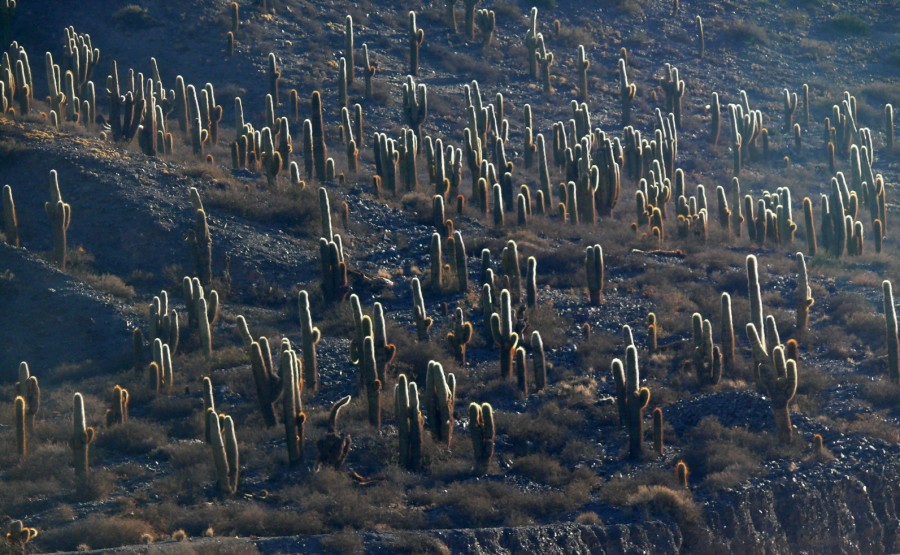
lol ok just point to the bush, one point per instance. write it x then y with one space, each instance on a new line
133 17
97 531
849 25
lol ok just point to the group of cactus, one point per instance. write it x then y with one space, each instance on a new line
16 85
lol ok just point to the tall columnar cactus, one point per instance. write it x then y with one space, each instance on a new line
594 268
82 437
482 432
521 370
21 428
118 414
728 356
163 322
811 246
372 385
335 286
658 432
674 88
486 20
28 388
460 336
384 352
626 93
274 77
583 64
161 372
756 306
701 38
707 359
416 37
890 332
203 312
423 321
410 423
369 70
209 402
470 17
631 399
889 126
440 399
512 271
415 105
224 447
460 262
804 295
544 60
268 382
60 214
504 335
319 148
292 407
437 263
10 222
349 54
200 241
782 388
538 360
334 447
531 282
309 339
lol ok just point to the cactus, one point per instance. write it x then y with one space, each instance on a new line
539 361
727 349
460 337
531 283
460 263
716 109
594 268
889 126
583 64
482 431
209 402
521 366
274 75
415 105
626 93
410 423
486 20
503 334
782 388
369 70
811 246
10 222
223 444
658 431
334 447
21 428
544 60
890 332
310 337
682 473
28 388
512 272
268 383
416 36
437 263
370 381
384 352
60 214
319 148
652 334
440 398
118 414
82 437
423 321
470 17
707 359
200 242
293 416
701 39
19 534
333 269
163 322
674 88
804 295
756 307
631 400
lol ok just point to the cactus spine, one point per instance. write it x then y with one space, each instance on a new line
82 437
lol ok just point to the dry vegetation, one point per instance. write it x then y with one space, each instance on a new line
561 453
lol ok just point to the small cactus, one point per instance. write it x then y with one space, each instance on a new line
10 222
118 414
21 428
682 473
658 432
